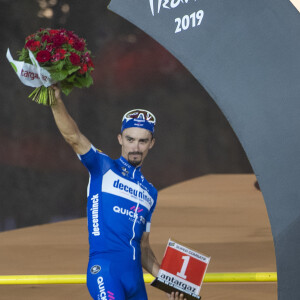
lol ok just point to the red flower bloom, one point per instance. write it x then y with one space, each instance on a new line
83 69
53 31
43 56
71 41
74 59
32 45
91 64
46 38
72 35
88 60
58 40
59 54
49 47
30 37
79 44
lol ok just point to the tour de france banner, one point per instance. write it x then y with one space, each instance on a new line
182 269
167 21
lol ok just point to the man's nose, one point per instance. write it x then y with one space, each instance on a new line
136 147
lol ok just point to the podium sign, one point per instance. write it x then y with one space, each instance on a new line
182 270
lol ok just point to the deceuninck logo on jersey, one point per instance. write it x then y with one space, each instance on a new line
118 186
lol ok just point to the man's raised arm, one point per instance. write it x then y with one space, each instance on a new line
67 126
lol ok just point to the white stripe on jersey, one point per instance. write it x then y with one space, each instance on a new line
119 186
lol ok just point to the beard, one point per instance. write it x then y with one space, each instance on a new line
135 162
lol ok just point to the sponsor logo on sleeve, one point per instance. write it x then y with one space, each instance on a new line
95 269
95 215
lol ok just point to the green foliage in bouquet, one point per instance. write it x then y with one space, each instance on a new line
64 55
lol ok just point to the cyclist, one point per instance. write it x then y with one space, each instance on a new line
119 207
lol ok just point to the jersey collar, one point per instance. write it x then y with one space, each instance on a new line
128 169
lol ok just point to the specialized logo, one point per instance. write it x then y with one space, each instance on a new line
95 215
95 269
102 294
125 172
157 5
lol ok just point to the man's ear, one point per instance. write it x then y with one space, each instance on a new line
120 139
152 143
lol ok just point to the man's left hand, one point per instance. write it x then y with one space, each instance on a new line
176 296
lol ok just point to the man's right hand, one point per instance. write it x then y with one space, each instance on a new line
56 91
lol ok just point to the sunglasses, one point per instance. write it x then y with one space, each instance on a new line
140 114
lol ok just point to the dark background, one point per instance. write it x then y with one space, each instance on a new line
41 178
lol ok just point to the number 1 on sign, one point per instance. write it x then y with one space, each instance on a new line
184 267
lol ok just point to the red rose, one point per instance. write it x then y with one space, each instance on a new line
83 69
32 45
43 56
61 52
74 59
58 40
88 60
53 31
46 38
49 47
90 64
29 44
55 57
71 41
79 44
72 35
30 37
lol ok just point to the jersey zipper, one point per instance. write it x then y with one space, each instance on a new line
135 215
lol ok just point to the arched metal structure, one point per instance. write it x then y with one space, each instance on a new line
246 54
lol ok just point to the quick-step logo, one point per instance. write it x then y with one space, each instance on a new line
130 213
101 288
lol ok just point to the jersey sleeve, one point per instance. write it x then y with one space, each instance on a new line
93 160
149 217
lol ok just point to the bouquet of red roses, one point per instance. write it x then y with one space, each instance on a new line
50 56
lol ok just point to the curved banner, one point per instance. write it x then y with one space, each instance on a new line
246 54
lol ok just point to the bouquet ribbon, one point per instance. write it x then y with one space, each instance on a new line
30 75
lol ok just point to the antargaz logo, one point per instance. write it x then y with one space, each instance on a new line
156 5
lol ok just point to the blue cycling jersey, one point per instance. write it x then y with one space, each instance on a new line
120 205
